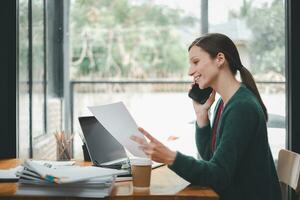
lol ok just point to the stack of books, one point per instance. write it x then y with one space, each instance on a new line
45 179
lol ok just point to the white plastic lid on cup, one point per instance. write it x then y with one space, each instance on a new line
140 161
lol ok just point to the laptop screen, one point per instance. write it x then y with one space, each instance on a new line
102 146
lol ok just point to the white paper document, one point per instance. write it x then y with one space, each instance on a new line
117 120
9 174
54 163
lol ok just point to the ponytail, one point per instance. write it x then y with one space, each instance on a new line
248 80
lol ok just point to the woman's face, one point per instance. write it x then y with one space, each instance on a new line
203 68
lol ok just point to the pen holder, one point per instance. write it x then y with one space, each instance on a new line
86 155
64 143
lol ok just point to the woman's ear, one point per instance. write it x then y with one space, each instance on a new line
220 59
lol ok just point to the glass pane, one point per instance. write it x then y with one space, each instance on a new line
37 69
131 39
23 80
137 41
257 28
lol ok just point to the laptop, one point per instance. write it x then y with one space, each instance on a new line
103 148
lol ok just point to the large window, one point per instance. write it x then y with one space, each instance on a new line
32 121
119 46
136 52
39 113
38 69
23 81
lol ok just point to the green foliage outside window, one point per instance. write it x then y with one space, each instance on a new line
128 39
267 46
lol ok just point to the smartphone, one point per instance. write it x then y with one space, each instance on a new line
200 95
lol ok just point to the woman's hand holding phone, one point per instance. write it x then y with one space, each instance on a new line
201 110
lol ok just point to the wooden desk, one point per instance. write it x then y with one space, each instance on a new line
165 184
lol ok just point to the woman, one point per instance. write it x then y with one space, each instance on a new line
237 161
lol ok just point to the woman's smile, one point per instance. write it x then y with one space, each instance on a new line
196 78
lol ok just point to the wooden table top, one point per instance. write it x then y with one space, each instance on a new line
165 184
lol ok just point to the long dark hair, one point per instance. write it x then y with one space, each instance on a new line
214 43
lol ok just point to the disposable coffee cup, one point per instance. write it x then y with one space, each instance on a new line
141 172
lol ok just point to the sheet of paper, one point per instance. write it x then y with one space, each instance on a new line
54 163
119 123
7 174
10 174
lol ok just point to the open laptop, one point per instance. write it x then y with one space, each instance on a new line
103 148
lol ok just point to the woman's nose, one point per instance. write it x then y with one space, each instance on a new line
191 71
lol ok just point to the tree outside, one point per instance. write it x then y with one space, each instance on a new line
128 39
267 46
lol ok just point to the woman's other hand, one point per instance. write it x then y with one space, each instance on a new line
155 149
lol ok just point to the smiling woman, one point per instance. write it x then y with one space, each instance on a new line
237 143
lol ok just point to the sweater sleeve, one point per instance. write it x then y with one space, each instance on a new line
218 172
203 139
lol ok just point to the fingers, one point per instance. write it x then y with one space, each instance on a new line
145 133
138 140
214 93
154 150
212 96
149 149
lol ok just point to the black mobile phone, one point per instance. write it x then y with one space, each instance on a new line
200 95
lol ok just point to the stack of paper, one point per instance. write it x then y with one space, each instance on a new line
74 181
9 175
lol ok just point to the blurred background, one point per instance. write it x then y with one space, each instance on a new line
135 51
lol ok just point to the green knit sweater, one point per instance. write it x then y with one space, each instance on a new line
242 166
